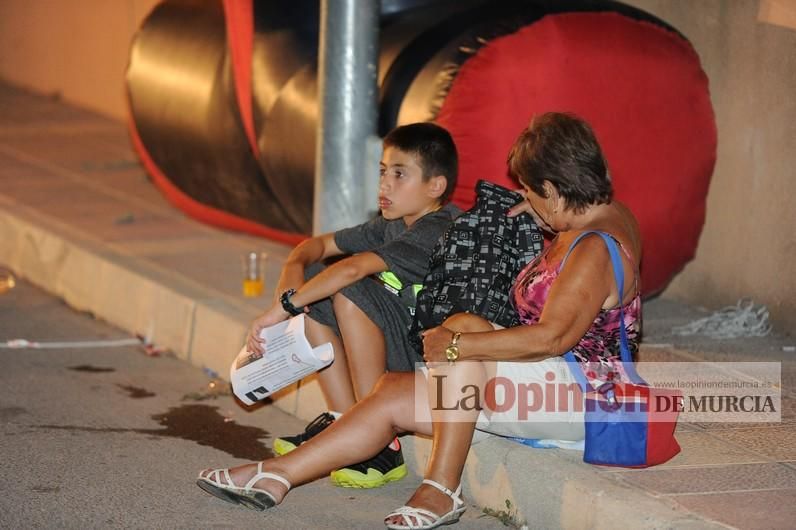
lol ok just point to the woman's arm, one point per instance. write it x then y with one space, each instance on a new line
574 300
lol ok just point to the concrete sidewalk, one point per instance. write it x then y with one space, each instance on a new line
79 218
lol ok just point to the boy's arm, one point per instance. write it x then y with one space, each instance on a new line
306 253
341 274
326 283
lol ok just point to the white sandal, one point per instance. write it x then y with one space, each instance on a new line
420 519
219 483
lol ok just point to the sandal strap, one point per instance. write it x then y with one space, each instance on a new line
264 474
454 495
422 518
216 475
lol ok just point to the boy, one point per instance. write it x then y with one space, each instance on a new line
363 303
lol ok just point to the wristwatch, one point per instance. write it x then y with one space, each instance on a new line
287 305
452 351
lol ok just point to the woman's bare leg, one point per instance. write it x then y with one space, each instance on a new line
335 379
452 429
364 343
359 434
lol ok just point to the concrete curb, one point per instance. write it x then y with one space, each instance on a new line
553 488
196 324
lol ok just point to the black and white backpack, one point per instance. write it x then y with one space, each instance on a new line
474 265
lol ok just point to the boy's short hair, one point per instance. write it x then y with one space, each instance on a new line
562 148
434 149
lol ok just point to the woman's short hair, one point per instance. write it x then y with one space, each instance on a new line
562 149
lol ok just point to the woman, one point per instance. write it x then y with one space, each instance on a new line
575 307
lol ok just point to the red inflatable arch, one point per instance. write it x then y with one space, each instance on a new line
642 89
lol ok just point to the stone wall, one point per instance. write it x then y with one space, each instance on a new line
748 246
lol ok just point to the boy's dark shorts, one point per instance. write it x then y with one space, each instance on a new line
383 308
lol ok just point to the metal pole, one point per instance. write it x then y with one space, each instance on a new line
347 57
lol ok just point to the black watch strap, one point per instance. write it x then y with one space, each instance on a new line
287 305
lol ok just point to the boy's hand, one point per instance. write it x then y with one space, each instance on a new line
275 315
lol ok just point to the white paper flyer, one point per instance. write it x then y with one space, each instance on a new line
288 358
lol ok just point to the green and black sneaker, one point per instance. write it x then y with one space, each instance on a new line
285 444
387 466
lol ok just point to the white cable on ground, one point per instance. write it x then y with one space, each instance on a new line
24 343
741 320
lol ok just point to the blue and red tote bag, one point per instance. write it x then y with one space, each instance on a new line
628 424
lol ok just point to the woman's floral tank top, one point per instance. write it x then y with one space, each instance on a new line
600 344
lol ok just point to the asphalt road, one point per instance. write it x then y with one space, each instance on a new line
111 437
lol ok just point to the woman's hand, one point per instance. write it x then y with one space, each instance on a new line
435 342
525 207
521 207
275 315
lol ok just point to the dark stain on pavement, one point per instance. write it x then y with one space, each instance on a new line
45 489
205 426
6 413
136 392
91 369
201 424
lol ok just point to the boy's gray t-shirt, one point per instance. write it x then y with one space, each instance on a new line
406 251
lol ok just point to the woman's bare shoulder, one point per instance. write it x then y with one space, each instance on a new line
617 221
629 229
620 222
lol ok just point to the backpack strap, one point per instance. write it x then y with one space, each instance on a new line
619 277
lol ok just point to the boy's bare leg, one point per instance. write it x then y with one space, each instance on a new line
335 380
365 345
452 429
359 434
